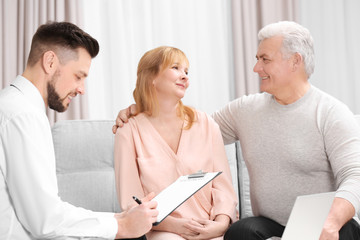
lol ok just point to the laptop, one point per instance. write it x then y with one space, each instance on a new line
308 216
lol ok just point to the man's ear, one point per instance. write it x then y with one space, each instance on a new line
297 60
49 62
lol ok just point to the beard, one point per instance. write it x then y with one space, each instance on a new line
54 100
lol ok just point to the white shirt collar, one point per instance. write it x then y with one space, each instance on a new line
30 91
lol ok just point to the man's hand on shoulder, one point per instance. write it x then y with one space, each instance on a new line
123 117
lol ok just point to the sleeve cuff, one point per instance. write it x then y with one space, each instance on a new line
109 223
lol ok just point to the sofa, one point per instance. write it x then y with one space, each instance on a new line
84 166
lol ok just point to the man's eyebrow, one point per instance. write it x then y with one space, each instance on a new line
83 73
261 56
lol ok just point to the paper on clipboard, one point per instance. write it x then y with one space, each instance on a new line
178 192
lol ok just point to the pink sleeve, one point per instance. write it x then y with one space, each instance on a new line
126 169
223 194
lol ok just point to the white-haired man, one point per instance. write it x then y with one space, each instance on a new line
295 138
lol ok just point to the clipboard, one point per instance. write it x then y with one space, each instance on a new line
178 192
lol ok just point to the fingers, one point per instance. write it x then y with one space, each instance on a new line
118 123
132 110
153 219
114 128
123 117
198 222
201 221
152 211
147 200
145 211
195 228
151 208
148 197
154 215
198 225
151 204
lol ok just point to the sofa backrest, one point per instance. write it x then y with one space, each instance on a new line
84 164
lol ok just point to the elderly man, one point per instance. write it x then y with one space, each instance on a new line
30 207
296 140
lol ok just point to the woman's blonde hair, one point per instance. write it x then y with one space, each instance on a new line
150 64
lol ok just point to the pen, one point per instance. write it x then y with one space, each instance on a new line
137 200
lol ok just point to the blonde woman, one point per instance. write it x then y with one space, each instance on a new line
167 139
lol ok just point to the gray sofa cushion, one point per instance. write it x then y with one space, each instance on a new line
231 156
84 164
244 185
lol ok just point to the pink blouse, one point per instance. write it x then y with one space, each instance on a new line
145 163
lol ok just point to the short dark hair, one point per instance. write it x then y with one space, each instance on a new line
57 36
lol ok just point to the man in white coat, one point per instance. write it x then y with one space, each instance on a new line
30 207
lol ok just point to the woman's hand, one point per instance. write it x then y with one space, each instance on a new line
207 229
195 228
178 226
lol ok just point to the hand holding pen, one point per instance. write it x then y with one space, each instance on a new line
137 200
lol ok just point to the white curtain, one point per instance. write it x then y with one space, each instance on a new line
248 17
334 25
127 29
218 37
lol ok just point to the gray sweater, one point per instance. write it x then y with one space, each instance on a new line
310 146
